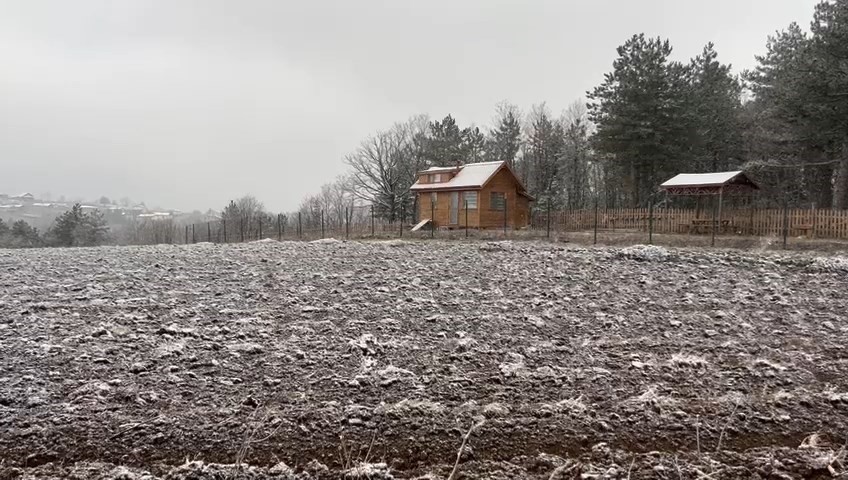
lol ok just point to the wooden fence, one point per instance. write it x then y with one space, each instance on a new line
810 223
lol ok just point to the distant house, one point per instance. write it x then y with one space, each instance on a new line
491 191
25 197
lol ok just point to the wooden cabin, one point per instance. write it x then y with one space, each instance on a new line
491 191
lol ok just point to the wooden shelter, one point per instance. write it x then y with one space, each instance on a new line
475 195
718 184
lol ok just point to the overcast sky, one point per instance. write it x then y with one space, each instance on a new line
187 104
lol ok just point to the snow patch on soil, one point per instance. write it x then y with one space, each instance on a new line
325 241
646 253
836 264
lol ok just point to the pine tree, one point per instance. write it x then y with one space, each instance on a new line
80 229
504 140
716 103
543 159
643 127
474 145
24 235
445 146
65 226
827 87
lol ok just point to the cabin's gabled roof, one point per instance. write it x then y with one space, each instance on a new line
468 176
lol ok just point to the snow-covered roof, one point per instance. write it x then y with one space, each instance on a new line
701 179
441 169
471 175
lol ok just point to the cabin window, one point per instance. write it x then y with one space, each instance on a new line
497 201
436 178
470 199
434 197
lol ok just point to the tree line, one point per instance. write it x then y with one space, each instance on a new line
74 228
785 122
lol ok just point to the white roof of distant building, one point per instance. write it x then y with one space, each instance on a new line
471 175
701 179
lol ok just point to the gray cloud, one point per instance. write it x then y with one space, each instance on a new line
187 104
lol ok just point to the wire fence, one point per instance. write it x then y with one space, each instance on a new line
601 224
689 226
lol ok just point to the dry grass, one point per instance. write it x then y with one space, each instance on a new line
651 398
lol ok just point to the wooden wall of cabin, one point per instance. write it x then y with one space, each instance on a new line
442 210
517 206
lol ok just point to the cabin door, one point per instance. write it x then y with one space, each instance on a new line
454 208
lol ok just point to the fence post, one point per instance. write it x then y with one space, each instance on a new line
785 223
193 237
595 237
466 219
813 222
432 219
712 240
209 232
372 220
650 221
260 229
504 205
186 234
224 226
548 225
299 226
402 212
242 229
347 224
280 226
322 223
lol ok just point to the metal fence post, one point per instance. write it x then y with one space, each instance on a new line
432 219
242 229
785 224
186 234
504 205
322 223
347 224
372 220
260 229
650 222
209 232
402 212
279 226
193 237
595 238
299 226
715 211
466 219
548 227
224 226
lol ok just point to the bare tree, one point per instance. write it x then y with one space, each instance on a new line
245 215
576 157
384 167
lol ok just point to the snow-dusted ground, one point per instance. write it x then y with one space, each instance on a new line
373 360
